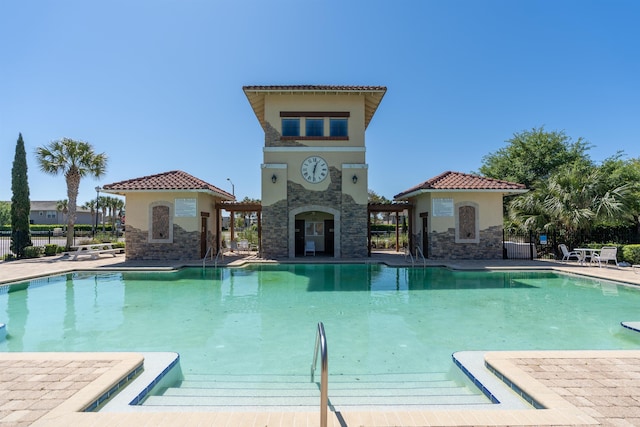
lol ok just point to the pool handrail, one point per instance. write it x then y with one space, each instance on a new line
419 252
220 255
321 342
407 253
209 251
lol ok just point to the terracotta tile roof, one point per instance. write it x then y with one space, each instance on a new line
311 88
173 180
256 96
456 181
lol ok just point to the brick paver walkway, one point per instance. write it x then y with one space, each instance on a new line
607 389
32 388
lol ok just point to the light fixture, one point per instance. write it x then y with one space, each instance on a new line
274 178
233 187
355 179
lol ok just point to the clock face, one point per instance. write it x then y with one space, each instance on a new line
314 169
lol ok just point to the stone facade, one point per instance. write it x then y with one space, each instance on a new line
354 228
185 246
353 218
443 246
275 230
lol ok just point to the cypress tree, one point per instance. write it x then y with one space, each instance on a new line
20 203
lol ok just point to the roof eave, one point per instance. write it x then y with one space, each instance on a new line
171 190
506 192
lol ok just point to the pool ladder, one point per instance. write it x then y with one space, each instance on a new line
321 343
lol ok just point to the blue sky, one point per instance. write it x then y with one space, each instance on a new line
157 84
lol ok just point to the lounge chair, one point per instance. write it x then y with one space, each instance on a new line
607 253
310 247
566 254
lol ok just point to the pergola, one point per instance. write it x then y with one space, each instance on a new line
232 208
375 208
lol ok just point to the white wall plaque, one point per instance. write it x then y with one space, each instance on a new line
186 207
442 207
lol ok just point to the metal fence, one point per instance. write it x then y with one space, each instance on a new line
42 238
536 245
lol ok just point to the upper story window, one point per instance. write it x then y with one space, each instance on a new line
338 127
291 127
314 127
318 125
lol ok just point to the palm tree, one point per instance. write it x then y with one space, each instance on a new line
91 206
104 204
75 160
115 206
572 199
62 206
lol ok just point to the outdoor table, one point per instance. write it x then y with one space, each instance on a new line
583 253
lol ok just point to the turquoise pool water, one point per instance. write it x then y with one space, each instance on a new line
263 318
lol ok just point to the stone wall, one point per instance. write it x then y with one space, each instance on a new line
275 230
443 246
354 228
185 246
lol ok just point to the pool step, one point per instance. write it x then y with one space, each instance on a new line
297 393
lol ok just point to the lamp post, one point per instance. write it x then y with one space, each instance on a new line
233 188
97 205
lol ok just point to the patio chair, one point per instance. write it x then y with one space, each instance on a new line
243 246
566 254
310 247
607 253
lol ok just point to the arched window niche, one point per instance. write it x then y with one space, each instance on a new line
467 223
161 222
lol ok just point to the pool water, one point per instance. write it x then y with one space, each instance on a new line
263 318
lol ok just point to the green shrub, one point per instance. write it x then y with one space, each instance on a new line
631 254
33 251
50 249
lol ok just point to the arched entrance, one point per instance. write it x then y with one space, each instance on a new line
319 224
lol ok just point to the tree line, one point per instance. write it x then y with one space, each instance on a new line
568 191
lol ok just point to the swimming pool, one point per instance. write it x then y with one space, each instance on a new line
262 318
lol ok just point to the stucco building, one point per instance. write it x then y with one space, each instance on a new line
314 171
171 215
458 215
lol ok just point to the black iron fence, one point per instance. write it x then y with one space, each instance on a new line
48 237
536 245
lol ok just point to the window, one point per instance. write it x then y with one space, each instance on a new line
52 214
313 228
338 127
315 127
290 127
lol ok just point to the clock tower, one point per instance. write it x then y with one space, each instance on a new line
314 174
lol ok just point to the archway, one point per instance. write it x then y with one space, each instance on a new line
320 224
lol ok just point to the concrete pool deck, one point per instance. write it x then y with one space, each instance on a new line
574 387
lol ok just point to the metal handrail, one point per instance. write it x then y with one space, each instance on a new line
220 254
205 256
321 342
408 252
419 251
